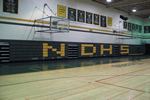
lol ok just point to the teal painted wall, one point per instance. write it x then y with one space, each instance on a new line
138 22
146 36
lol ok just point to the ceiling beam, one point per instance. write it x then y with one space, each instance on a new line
145 11
98 2
120 4
128 3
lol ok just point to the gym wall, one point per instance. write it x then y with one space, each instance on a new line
34 11
22 50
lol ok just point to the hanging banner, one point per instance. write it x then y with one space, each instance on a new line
10 6
133 27
96 19
146 29
103 21
137 27
72 14
129 27
89 17
81 16
109 21
61 11
125 25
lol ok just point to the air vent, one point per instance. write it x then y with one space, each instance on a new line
73 50
4 52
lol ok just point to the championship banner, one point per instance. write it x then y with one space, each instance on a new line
125 25
140 29
103 21
133 27
61 11
10 6
96 19
109 21
89 17
146 29
81 16
129 27
137 27
72 14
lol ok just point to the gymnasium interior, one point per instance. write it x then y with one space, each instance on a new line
74 49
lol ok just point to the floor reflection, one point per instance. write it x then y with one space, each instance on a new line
25 67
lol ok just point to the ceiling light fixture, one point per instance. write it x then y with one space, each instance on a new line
134 10
108 1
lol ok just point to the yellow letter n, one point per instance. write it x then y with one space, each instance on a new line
47 47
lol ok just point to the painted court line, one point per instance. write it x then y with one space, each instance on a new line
124 87
122 74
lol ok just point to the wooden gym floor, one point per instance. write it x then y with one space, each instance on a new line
126 80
